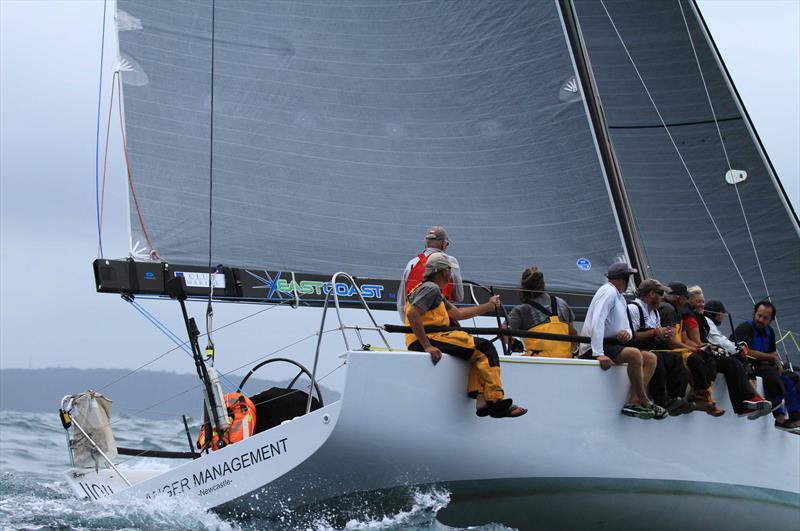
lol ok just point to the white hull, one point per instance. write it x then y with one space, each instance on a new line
401 421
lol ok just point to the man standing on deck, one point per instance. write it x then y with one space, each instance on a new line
607 325
436 241
427 306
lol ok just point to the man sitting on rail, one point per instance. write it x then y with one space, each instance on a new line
763 356
668 385
607 325
542 312
426 306
745 400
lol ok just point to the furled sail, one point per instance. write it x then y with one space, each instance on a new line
341 130
676 153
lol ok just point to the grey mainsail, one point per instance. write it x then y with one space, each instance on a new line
676 207
343 129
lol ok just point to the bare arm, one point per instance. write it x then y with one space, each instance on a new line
415 320
460 314
772 357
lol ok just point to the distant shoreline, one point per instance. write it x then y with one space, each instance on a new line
147 394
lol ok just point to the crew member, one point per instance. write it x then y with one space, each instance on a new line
542 312
427 306
607 324
436 241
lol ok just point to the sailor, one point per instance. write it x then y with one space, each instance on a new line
675 302
607 324
542 312
436 241
427 306
745 400
762 355
669 381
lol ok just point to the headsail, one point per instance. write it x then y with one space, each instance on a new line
342 130
692 224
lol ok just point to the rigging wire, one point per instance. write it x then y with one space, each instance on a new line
211 273
264 357
677 150
309 387
730 167
139 368
153 252
97 137
105 163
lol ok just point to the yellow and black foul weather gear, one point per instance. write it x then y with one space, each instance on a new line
548 347
484 372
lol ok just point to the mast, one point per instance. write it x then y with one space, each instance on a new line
630 234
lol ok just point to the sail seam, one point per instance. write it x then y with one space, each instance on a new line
676 124
677 150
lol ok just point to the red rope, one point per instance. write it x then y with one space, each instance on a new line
153 252
105 162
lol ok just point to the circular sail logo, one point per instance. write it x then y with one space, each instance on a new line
584 264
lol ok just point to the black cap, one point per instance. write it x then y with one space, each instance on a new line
712 307
620 270
679 289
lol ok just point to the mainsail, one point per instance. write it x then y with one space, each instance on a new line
343 129
323 136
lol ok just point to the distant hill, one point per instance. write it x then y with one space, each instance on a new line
147 394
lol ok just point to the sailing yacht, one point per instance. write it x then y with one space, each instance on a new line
271 145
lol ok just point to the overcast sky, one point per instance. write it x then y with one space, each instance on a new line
50 314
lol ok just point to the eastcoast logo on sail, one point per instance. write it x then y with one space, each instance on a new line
318 287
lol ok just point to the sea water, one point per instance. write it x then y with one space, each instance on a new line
34 493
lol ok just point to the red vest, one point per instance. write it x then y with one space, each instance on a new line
418 271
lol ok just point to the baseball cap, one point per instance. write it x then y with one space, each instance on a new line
437 232
620 270
714 306
679 289
436 262
652 284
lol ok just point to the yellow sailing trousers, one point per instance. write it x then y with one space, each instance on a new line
484 363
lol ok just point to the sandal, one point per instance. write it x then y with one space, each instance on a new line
512 411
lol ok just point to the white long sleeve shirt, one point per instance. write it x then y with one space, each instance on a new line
607 315
455 279
715 337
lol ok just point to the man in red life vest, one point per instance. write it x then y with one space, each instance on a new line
436 241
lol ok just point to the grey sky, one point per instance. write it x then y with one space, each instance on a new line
50 314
